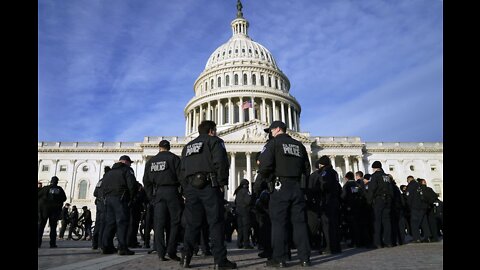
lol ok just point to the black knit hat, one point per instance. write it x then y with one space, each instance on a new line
376 164
324 160
164 144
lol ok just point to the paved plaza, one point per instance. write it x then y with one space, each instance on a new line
79 255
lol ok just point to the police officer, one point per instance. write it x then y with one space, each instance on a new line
65 220
287 159
329 206
100 213
380 195
50 201
118 189
243 203
161 180
205 168
418 210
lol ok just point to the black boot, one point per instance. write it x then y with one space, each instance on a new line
226 264
185 260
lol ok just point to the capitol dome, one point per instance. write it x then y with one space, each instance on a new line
241 83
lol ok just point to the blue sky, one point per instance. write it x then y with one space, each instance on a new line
119 70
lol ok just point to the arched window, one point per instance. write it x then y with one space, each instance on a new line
254 79
269 81
206 86
227 80
82 192
262 80
276 83
211 84
236 79
244 79
219 82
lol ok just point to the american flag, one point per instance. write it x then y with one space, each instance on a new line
247 104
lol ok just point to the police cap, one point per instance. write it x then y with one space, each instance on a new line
126 158
276 124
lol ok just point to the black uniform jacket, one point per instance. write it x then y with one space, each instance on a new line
284 156
120 180
205 154
161 170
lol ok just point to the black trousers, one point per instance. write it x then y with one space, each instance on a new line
418 219
382 222
211 200
52 216
99 225
117 216
288 202
244 224
168 208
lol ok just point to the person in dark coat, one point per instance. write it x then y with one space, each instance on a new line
65 220
327 181
380 195
50 201
418 211
119 189
205 171
73 222
243 207
100 213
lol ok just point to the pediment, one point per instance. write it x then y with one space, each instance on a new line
252 131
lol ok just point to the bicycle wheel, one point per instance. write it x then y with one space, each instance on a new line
78 233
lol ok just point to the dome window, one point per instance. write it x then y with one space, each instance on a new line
227 80
236 50
211 84
256 52
236 79
219 82
244 79
269 81
229 51
250 50
254 79
262 80
223 54
243 50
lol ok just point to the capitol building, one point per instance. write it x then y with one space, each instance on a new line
243 90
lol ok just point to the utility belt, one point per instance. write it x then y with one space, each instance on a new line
276 183
200 180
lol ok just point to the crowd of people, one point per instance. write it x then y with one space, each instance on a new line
285 208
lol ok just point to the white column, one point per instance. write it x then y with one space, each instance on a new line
231 181
200 117
230 111
332 159
72 163
56 165
355 166
283 112
289 116
186 124
274 111
250 111
240 110
249 169
209 107
194 122
347 163
264 111
220 112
